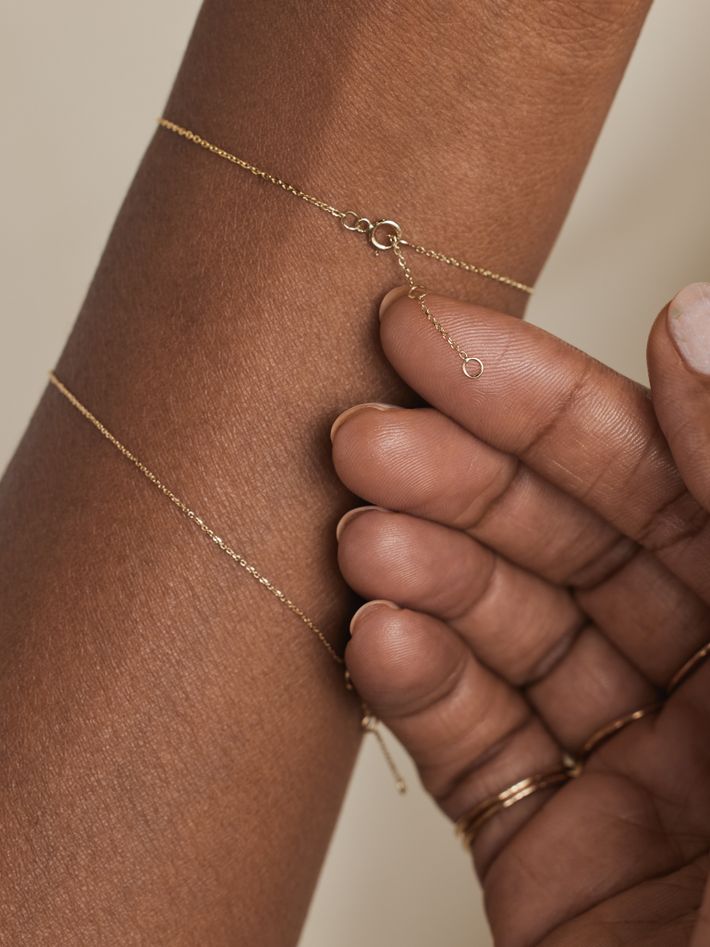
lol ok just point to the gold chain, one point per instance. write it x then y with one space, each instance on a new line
383 235
364 224
369 723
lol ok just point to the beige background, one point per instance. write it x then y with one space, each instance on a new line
81 85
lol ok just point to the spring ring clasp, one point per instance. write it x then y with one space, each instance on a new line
379 240
390 238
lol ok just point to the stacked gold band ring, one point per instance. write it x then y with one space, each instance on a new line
470 824
468 827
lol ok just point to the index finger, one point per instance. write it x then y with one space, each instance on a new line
582 426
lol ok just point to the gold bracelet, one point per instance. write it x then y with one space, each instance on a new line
384 234
369 723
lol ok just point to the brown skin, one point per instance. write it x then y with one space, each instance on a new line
550 557
175 747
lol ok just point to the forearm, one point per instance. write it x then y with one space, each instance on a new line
176 744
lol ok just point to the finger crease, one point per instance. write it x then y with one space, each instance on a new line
570 399
447 686
487 756
605 565
556 654
678 521
494 502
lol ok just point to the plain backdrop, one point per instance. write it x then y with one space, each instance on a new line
82 83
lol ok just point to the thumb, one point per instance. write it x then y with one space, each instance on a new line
679 371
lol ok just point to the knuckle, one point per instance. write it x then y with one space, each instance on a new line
678 521
605 565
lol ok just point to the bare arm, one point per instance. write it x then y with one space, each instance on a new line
175 745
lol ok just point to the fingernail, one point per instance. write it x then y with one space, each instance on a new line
349 412
390 297
689 325
357 617
351 514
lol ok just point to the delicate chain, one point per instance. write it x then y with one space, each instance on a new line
469 267
334 212
198 520
471 365
221 153
369 722
382 234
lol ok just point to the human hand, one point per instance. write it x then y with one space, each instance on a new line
548 547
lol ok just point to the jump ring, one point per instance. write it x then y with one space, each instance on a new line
359 224
472 360
356 217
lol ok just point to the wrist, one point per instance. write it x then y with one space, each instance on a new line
465 127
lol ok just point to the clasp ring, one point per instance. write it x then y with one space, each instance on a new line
395 232
351 220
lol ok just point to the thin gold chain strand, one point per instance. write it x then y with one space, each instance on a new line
335 212
471 365
266 175
469 267
198 520
369 722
